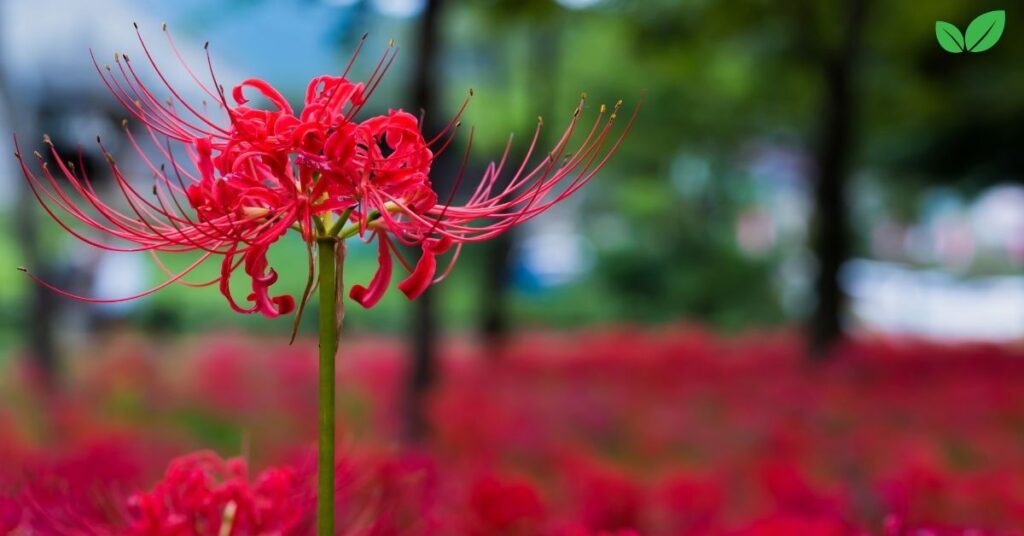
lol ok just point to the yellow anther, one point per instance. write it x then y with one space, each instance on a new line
255 212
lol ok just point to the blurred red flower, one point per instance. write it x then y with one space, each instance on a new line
10 515
503 506
204 495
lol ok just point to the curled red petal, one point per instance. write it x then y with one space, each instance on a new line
438 246
265 89
421 276
204 159
227 267
263 277
369 296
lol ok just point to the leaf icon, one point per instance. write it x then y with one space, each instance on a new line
949 36
984 32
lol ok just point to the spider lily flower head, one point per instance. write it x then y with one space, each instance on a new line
417 219
229 190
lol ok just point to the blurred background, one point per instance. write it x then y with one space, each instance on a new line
822 172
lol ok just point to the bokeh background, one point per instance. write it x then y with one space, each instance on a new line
806 182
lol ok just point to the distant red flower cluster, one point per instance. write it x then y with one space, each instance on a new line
229 190
619 433
202 494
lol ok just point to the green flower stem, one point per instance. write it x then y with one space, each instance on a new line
336 228
350 230
330 269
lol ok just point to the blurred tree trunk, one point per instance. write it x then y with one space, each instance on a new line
544 41
422 372
831 236
494 317
41 307
39 318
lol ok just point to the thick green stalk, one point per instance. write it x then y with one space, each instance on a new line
330 268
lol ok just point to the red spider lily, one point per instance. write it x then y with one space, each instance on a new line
319 172
202 494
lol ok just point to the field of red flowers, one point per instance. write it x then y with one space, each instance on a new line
670 432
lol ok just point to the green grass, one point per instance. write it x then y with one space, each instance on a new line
185 309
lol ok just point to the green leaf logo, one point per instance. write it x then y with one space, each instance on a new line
949 36
982 33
